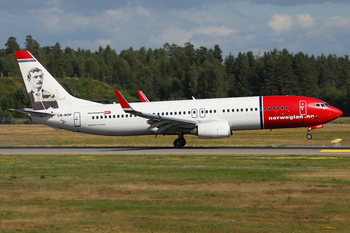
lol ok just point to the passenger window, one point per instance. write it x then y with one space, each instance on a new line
228 110
265 109
233 110
251 109
278 108
110 116
256 109
286 107
246 109
269 108
171 113
241 109
113 116
162 113
237 110
179 113
166 113
175 113
122 115
126 115
223 110
210 111
189 112
206 111
93 117
214 111
273 108
281 108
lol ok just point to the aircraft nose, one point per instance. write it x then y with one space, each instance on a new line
337 112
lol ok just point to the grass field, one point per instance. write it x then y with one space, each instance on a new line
39 135
174 193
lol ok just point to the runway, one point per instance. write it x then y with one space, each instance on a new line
320 151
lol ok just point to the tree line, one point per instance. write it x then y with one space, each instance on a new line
180 72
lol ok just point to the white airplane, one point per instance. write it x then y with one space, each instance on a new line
52 105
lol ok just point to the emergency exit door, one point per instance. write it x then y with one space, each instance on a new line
77 122
302 107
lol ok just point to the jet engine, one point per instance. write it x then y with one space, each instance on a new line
214 129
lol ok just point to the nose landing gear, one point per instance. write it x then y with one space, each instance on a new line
308 135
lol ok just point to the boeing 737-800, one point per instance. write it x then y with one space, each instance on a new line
52 105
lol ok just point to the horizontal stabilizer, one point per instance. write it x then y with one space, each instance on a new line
33 112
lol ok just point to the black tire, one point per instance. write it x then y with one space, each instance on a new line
309 136
180 142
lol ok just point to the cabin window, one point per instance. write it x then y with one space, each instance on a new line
184 113
214 111
233 110
223 110
122 115
273 108
286 107
241 109
256 109
210 111
175 113
282 108
269 108
189 112
228 110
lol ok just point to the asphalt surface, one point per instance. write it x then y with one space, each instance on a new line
320 151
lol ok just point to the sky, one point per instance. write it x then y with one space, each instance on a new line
308 26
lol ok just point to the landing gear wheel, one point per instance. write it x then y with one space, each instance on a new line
180 142
309 136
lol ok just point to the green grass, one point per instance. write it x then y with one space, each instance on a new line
174 193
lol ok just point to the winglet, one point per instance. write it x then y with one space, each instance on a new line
142 96
123 103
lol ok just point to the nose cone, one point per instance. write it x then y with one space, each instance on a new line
336 113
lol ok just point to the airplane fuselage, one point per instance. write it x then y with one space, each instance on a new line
242 113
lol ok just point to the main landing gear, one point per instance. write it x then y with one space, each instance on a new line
180 142
308 135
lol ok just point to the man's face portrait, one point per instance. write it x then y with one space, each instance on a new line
36 78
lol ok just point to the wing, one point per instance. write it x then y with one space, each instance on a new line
164 124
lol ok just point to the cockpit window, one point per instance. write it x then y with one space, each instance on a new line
322 105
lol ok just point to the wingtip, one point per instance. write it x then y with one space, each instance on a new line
123 103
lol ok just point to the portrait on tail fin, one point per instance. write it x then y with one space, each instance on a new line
40 99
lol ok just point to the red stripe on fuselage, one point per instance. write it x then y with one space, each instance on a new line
295 111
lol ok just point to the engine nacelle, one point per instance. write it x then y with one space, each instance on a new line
214 129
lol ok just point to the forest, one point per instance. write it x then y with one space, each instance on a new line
179 72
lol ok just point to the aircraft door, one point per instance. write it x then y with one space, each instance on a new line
302 107
194 113
77 121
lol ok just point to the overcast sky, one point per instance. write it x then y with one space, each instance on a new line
310 26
